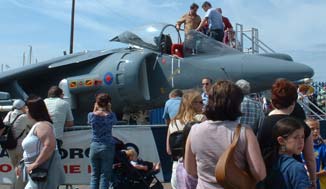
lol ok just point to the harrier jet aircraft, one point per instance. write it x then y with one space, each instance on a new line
140 76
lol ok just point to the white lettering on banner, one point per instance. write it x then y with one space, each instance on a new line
75 153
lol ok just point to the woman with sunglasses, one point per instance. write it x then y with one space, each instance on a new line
190 110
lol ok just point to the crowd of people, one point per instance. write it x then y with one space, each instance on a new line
214 24
281 148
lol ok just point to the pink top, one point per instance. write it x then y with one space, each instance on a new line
209 140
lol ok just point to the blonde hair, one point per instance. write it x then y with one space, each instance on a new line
131 154
310 121
186 111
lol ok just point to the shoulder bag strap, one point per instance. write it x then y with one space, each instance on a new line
21 134
236 137
226 157
12 123
176 124
52 156
7 126
9 117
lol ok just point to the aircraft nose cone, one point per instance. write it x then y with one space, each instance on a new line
266 70
275 68
305 70
293 71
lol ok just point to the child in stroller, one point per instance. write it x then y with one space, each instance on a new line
128 173
139 164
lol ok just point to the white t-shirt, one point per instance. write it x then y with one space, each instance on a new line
215 20
60 112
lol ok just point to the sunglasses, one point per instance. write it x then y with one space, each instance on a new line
200 102
315 129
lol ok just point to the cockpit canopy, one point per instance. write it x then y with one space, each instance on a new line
161 37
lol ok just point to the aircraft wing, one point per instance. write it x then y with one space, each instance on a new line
82 57
67 60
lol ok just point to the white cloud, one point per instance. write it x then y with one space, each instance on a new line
283 24
101 15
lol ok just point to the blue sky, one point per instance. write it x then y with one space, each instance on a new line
296 27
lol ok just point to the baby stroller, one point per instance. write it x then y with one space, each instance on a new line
126 176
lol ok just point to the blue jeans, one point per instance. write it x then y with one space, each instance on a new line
217 34
101 157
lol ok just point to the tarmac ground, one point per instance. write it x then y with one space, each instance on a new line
166 186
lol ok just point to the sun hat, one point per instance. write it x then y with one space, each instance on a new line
18 104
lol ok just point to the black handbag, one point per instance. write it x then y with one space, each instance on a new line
39 174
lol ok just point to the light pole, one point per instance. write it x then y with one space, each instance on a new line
30 53
24 59
72 27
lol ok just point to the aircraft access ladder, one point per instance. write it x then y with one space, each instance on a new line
247 40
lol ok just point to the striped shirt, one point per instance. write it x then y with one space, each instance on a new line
252 113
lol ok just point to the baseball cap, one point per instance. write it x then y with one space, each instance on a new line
18 104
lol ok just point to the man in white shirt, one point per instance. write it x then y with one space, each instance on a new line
60 112
214 20
206 83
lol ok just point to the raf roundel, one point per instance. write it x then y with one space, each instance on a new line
108 78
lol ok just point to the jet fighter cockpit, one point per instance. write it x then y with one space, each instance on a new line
166 39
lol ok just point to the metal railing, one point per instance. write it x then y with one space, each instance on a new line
310 108
255 44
